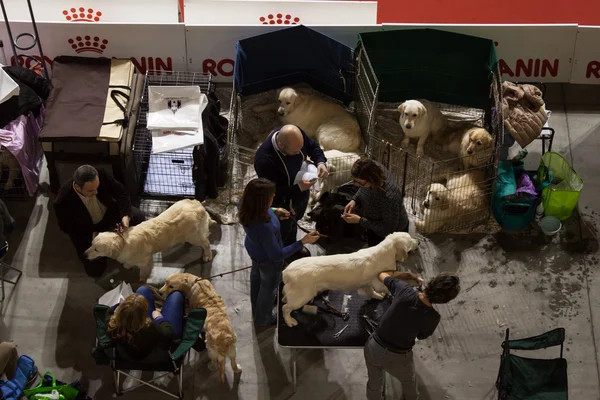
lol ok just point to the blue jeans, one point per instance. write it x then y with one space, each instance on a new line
172 311
264 280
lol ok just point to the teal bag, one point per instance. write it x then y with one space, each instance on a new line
512 212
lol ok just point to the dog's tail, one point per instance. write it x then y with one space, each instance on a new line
224 351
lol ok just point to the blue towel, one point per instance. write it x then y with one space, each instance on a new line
13 389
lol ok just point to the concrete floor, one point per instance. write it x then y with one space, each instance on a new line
523 282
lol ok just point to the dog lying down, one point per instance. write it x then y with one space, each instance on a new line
306 277
185 221
220 336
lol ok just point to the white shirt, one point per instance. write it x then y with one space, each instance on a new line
93 205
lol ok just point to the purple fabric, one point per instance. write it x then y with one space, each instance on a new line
525 185
21 138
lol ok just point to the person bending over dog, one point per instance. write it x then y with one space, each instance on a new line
379 199
410 316
139 328
279 159
265 247
91 202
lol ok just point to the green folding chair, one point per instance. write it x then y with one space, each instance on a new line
159 360
523 378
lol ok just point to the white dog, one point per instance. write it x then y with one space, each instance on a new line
329 123
185 221
306 277
14 168
459 202
339 165
419 119
474 146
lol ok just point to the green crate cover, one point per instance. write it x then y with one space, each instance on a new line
560 198
430 64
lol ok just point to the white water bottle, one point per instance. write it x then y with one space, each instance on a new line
539 212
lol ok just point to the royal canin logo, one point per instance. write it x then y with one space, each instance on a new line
94 44
279 19
81 14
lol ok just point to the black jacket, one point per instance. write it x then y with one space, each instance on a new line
72 215
33 92
268 164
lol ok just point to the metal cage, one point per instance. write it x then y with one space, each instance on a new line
166 174
12 184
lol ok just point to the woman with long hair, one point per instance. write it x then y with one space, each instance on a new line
265 247
136 324
379 200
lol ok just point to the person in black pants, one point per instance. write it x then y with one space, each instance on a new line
93 202
279 159
379 200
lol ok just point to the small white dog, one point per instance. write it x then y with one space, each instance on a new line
419 119
328 123
14 168
339 165
474 146
185 221
306 277
460 202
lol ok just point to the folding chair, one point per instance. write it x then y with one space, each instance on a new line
521 378
159 360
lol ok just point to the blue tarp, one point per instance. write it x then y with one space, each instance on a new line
294 55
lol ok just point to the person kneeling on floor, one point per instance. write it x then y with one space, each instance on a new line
411 316
93 202
265 246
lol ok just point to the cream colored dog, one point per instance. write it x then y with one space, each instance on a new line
185 221
474 146
339 165
459 202
418 120
306 277
328 123
220 336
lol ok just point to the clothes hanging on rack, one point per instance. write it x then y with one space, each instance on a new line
33 93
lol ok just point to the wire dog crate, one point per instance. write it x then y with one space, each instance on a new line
12 184
166 174
459 74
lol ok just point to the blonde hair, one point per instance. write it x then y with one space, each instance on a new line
130 317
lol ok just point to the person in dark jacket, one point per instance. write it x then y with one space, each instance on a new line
410 316
93 202
139 328
379 199
265 247
279 159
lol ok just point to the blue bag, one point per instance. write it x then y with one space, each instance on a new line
13 389
511 211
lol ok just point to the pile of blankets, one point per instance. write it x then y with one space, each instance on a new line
524 111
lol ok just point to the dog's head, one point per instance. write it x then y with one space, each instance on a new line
479 140
411 113
403 244
182 282
437 197
287 98
105 244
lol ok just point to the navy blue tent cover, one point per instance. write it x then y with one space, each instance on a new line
294 55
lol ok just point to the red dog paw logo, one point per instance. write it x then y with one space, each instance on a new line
279 19
82 15
87 43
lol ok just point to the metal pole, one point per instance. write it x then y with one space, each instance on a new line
10 36
37 39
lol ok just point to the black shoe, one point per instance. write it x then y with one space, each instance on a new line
200 345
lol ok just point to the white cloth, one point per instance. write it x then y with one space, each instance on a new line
8 87
307 172
94 207
116 295
174 107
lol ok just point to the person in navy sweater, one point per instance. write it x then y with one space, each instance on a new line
279 159
265 247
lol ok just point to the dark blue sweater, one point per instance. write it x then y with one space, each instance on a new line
263 241
268 164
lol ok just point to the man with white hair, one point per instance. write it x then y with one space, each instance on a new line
279 159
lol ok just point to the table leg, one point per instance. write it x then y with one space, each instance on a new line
294 369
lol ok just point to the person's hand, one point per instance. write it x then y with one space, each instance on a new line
351 218
125 221
305 184
282 213
322 171
350 207
383 275
156 314
310 238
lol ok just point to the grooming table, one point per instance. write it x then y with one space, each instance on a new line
316 331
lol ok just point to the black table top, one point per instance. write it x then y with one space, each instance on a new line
316 331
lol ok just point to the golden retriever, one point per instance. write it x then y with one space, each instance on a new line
328 123
339 165
459 202
307 277
220 336
474 146
185 221
419 119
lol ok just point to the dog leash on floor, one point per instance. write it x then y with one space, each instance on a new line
227 273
